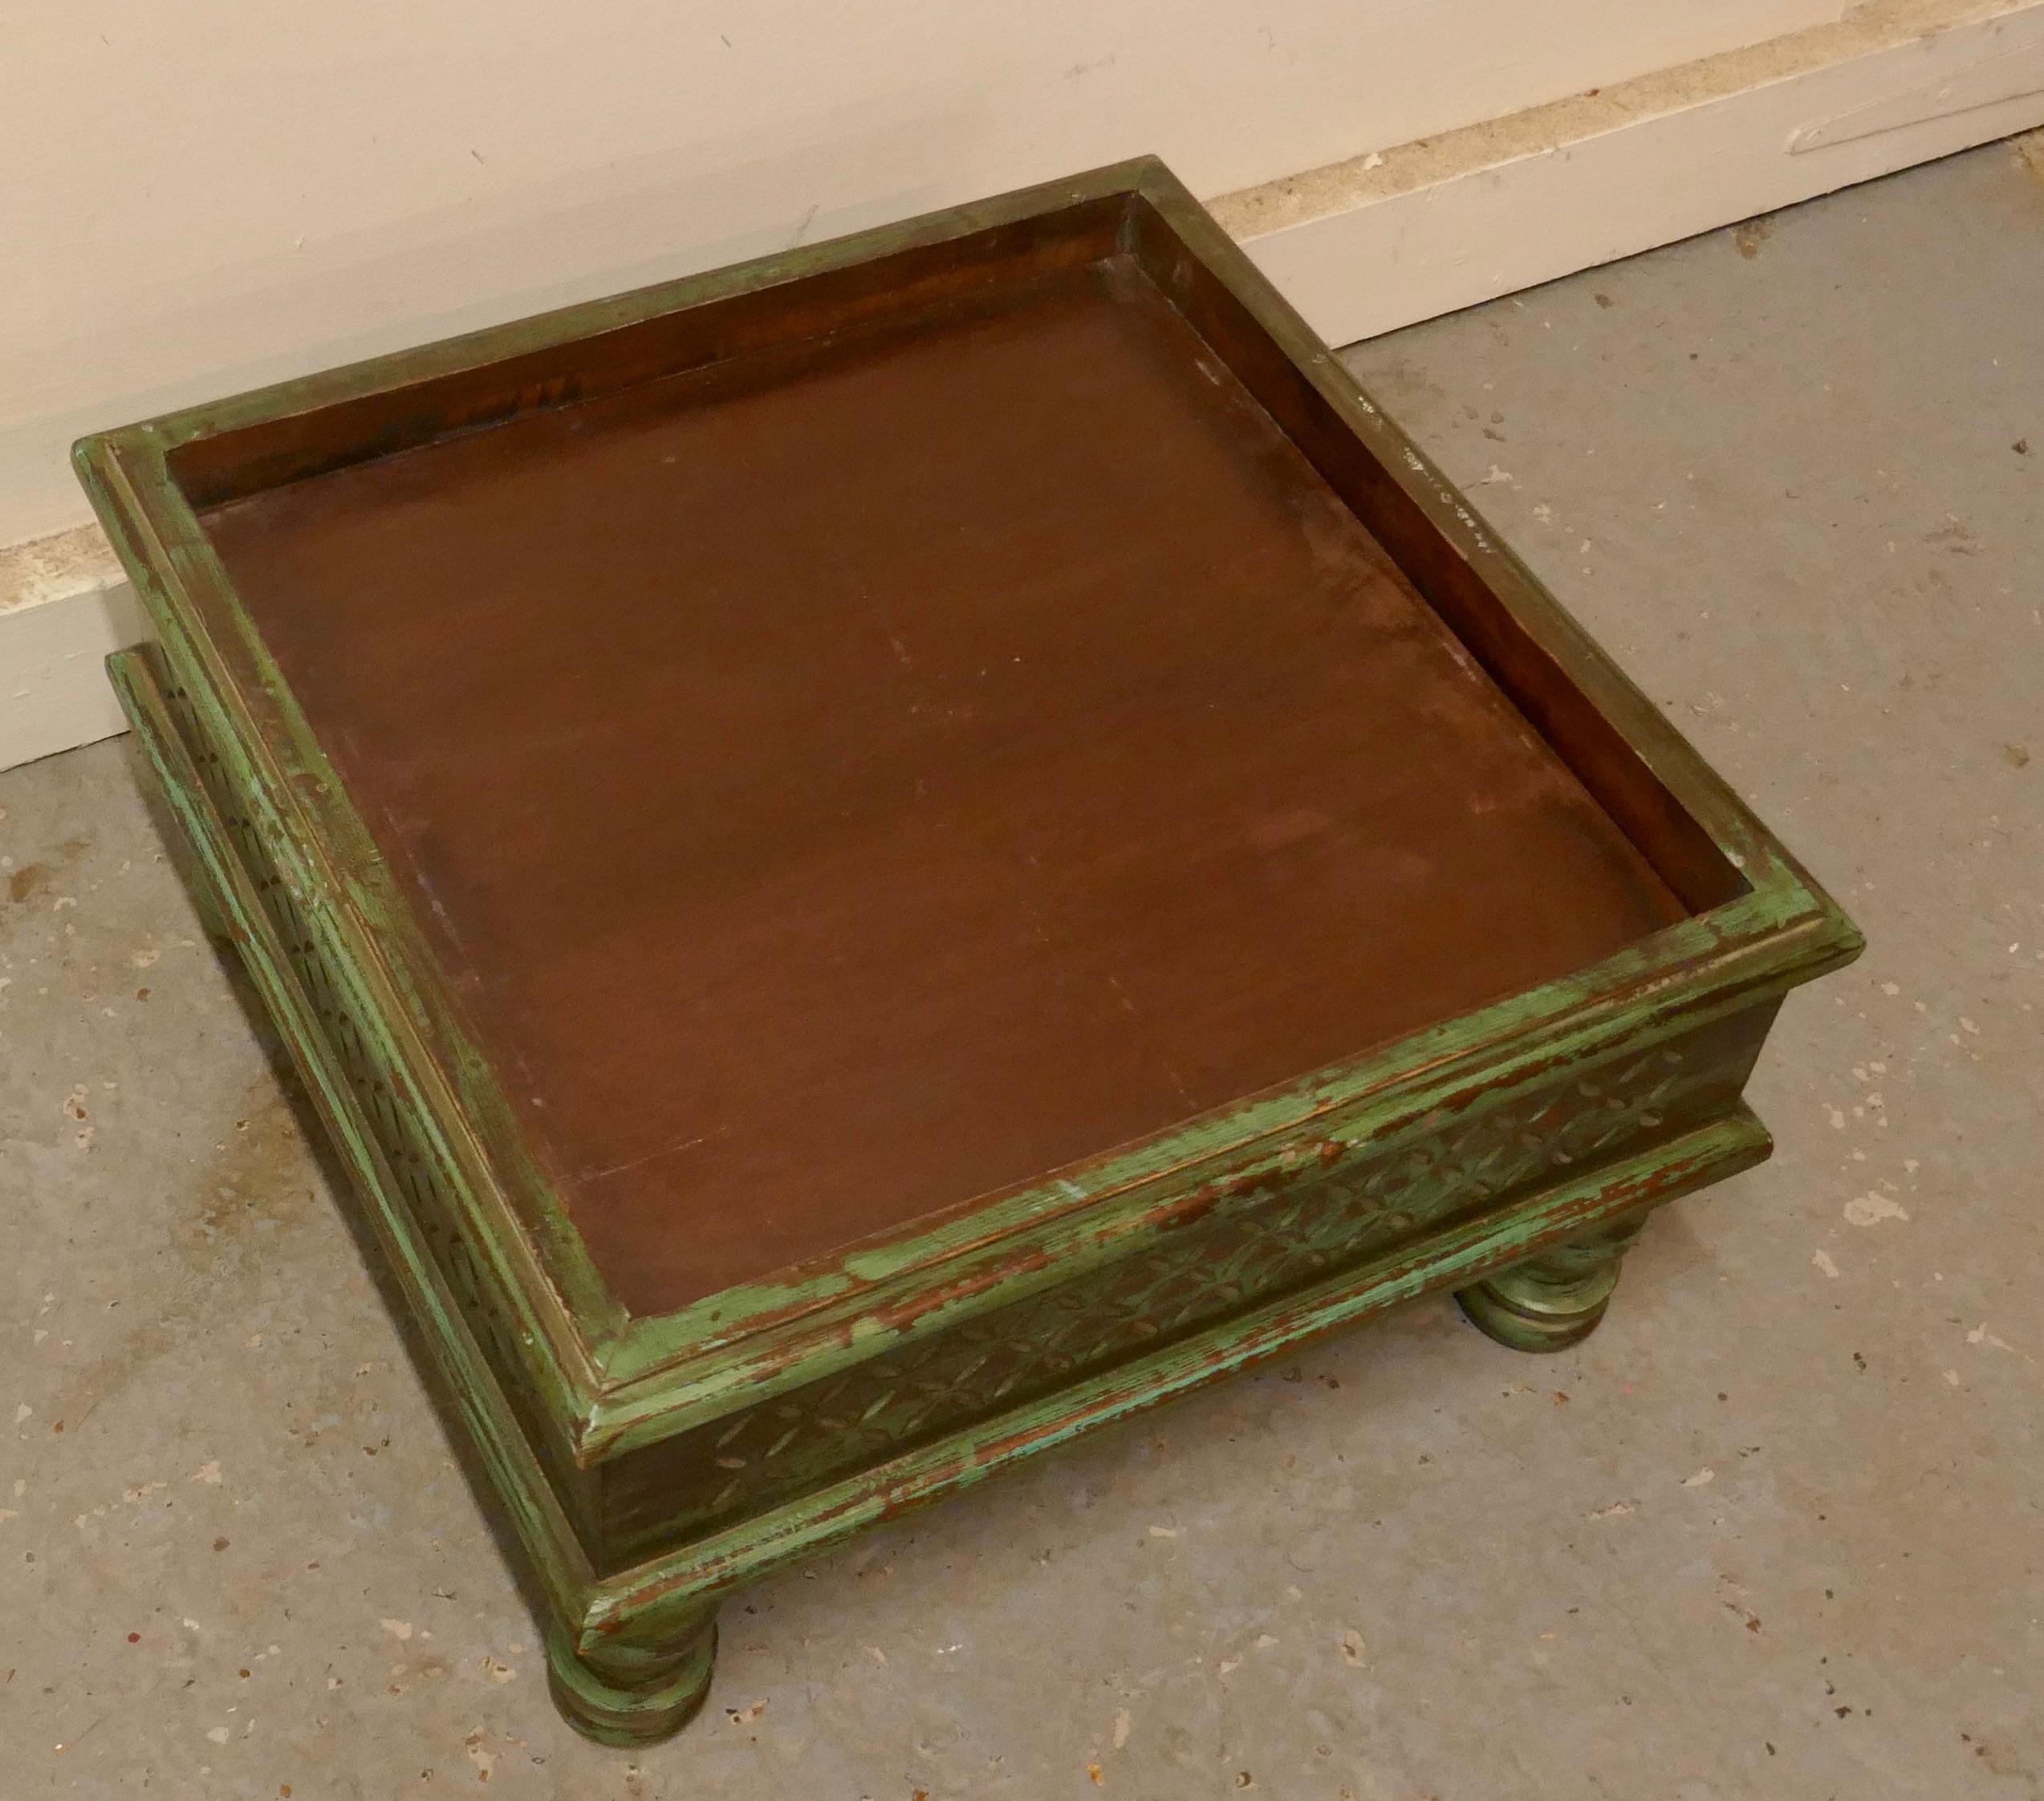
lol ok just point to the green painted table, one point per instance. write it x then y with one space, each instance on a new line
880 858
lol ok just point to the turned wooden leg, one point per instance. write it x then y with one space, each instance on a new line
1554 1300
622 1693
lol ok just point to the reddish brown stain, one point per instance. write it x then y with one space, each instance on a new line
31 879
869 775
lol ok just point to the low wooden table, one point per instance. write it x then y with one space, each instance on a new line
881 858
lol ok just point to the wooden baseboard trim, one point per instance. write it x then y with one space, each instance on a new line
64 605
1381 241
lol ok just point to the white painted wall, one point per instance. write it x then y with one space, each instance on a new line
197 198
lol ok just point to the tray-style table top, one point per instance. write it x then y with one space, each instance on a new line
881 771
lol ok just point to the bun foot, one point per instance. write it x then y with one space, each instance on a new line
625 1694
1552 1301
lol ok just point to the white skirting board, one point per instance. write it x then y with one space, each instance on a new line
64 605
1365 246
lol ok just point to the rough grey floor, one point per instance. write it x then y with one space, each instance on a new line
1774 1531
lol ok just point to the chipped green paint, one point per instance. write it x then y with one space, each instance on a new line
1508 1155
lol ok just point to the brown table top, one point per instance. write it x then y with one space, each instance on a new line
868 776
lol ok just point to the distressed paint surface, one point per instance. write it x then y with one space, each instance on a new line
1269 1229
1453 1153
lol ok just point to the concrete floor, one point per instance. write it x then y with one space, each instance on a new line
1774 1531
